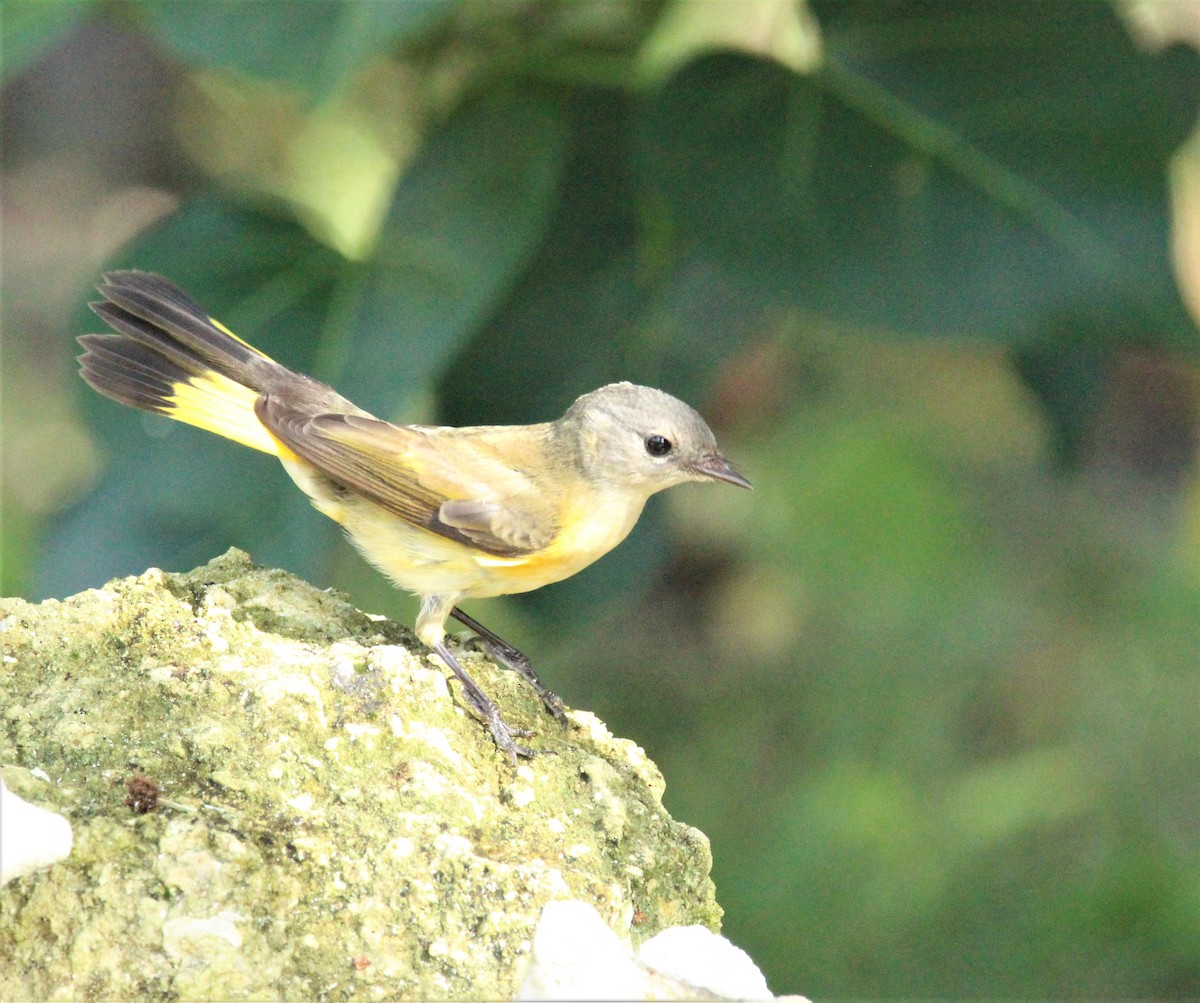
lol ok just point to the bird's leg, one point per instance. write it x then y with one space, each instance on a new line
503 735
430 629
500 649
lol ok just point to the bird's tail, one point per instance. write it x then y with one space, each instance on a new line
169 356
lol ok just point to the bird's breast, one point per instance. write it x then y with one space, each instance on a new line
591 523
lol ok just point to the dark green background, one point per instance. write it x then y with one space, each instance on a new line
932 689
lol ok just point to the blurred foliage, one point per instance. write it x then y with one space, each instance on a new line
32 26
931 690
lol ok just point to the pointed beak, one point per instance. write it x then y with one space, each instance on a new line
718 468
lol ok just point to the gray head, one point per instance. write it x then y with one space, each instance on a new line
635 435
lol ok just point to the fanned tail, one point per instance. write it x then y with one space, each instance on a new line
170 357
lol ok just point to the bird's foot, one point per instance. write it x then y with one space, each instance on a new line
504 735
500 650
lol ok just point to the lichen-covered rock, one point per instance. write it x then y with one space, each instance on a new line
274 796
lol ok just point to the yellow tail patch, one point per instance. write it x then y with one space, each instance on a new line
218 404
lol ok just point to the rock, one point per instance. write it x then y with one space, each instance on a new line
31 838
275 795
696 956
576 956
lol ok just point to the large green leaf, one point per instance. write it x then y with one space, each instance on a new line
464 222
962 170
563 329
978 171
313 45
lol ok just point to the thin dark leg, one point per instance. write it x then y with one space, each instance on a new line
500 649
501 732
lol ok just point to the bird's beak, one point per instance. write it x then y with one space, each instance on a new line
718 468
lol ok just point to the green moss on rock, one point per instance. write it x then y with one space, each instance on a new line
331 821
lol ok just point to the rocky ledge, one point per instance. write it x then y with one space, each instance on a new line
274 795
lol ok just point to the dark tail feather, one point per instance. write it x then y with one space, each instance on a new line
169 356
130 372
161 316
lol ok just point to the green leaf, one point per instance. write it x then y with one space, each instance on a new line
565 328
313 45
852 201
992 172
463 224
30 28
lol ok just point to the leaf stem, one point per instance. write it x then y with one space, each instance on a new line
945 145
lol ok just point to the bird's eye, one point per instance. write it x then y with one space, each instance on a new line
658 445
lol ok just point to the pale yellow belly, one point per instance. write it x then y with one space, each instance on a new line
430 564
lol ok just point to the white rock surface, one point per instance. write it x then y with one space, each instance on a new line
577 957
31 838
696 955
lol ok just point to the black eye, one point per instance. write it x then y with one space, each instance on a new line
658 445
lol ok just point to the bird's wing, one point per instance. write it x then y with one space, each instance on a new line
444 480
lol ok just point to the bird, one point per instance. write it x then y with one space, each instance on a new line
447 513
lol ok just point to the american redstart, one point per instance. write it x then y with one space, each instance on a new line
446 513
